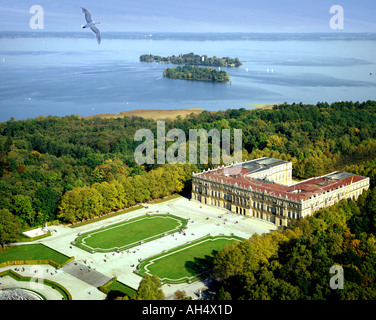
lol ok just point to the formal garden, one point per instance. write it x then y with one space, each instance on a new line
186 263
129 233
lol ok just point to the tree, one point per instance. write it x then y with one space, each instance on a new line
23 207
70 205
155 177
150 289
242 259
80 203
109 194
181 295
8 145
46 200
112 194
130 191
92 203
120 201
193 59
196 73
93 160
141 188
223 295
368 210
109 170
9 227
276 142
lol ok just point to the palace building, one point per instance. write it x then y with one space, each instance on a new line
263 188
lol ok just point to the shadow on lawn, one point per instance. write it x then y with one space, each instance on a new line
199 265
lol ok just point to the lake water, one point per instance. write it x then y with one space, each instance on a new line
55 75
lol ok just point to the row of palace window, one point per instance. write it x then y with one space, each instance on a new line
217 203
243 202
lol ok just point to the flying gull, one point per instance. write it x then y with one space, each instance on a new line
91 24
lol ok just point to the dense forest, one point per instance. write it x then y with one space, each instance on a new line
193 59
71 169
295 264
196 74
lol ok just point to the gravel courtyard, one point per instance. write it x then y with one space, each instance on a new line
203 220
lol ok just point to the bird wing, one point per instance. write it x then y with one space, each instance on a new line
97 33
87 15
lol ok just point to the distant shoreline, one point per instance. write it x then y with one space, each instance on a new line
158 114
242 36
262 106
155 114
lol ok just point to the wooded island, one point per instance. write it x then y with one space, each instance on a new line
196 73
193 59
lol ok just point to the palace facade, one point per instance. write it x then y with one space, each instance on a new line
263 188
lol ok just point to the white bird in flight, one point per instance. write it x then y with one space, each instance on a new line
91 24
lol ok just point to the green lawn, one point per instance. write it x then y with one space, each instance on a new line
119 289
31 252
187 262
130 233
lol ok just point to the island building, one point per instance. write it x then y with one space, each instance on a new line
263 188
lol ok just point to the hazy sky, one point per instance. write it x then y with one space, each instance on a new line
192 15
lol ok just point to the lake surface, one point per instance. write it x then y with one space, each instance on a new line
56 75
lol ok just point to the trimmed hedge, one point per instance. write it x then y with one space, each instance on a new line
36 262
64 292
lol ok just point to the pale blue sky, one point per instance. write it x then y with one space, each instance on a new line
192 15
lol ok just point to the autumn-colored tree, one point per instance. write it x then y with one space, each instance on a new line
181 295
9 227
109 171
150 289
109 195
92 203
80 203
70 205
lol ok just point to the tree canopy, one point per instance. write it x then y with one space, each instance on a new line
193 60
9 227
149 289
196 74
295 264
46 161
